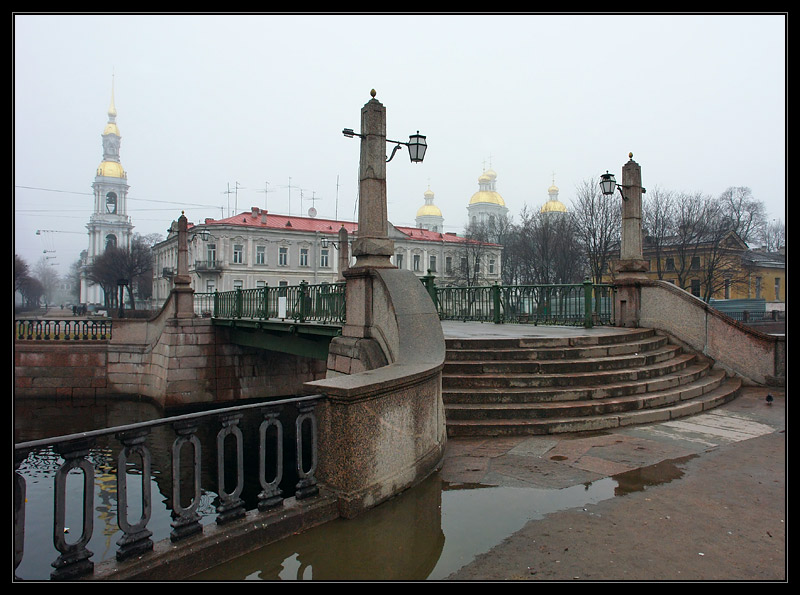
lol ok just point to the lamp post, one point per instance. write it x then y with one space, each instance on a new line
121 283
631 268
373 246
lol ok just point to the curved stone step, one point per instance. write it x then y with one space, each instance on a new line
561 366
514 352
627 336
588 407
584 378
723 393
679 377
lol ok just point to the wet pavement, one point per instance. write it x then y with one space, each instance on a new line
703 498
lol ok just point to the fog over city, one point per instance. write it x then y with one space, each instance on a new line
220 113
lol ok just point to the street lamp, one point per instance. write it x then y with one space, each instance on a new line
122 283
416 145
608 184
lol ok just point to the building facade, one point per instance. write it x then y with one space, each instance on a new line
257 248
723 270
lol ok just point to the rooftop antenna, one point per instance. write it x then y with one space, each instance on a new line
236 196
228 192
266 190
336 208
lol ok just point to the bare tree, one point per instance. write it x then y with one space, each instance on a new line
659 224
543 249
134 266
772 236
597 221
747 215
472 268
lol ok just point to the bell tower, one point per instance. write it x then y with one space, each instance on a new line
109 224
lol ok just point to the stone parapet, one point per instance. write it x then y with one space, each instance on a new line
755 356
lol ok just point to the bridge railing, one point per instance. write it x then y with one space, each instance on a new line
62 330
584 304
285 459
323 302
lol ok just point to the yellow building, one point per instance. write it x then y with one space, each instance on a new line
727 269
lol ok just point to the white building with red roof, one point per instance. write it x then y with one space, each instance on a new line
257 248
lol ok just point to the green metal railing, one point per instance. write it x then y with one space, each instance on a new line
302 303
585 304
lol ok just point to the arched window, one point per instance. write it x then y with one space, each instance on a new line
111 241
111 202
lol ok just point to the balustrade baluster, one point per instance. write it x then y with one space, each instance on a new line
74 559
187 519
20 495
231 505
271 494
136 539
307 485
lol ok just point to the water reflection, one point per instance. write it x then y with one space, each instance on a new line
427 532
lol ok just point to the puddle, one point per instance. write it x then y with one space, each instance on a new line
428 532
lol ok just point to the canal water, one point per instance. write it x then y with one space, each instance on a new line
427 532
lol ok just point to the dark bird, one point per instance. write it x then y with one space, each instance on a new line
769 399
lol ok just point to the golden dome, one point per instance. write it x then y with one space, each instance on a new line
487 196
554 206
553 189
111 169
429 211
111 128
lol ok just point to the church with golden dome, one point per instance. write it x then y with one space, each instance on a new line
486 206
109 224
553 205
429 216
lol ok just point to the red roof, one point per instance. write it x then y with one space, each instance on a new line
254 218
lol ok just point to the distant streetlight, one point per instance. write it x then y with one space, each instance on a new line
122 283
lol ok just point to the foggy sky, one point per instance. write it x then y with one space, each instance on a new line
208 104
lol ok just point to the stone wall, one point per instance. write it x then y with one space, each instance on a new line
174 362
755 356
384 428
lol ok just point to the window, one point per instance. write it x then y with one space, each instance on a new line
210 287
261 255
696 287
237 284
416 262
695 263
727 289
432 264
238 256
777 288
283 256
670 264
324 257
398 260
491 266
758 288
448 264
211 253
261 284
464 264
303 257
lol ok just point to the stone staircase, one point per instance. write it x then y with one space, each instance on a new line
520 386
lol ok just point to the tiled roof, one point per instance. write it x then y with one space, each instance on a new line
255 219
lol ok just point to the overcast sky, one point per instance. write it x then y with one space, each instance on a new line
209 103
